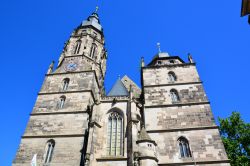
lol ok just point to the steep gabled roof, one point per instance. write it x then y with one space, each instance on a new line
127 82
118 89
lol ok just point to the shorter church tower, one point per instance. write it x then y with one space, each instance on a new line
177 113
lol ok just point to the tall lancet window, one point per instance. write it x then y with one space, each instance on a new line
172 76
62 102
49 151
93 50
77 47
65 84
174 95
184 148
115 135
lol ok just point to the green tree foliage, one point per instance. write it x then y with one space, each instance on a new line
236 138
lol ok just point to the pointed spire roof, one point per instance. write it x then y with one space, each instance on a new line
144 135
93 20
118 89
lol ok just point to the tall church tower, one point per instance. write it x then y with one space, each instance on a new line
59 121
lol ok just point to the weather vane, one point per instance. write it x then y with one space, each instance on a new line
159 47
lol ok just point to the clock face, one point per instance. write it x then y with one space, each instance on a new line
71 66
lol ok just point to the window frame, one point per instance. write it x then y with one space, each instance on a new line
77 47
174 95
49 150
184 148
93 50
62 102
172 76
65 84
115 149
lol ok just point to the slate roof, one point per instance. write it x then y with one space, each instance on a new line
144 135
127 82
93 20
118 89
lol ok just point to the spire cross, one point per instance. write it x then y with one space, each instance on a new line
159 47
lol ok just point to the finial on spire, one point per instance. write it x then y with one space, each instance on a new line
159 47
96 9
142 62
190 58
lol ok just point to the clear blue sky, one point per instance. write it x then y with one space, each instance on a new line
33 32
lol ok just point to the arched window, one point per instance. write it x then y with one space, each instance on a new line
77 47
62 102
93 50
172 76
65 84
174 95
49 151
115 134
184 147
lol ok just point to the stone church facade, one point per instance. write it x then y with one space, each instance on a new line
166 122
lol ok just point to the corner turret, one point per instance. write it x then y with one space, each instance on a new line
147 150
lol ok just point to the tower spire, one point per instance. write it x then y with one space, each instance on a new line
93 20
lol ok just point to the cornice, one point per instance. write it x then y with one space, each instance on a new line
108 99
88 34
177 105
145 140
77 72
115 158
67 92
197 162
183 129
173 84
147 157
53 136
69 72
58 113
168 66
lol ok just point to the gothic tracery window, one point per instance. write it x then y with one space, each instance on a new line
93 50
174 95
62 102
172 77
65 84
77 47
49 151
184 148
115 135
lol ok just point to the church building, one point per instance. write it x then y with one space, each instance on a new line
167 121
